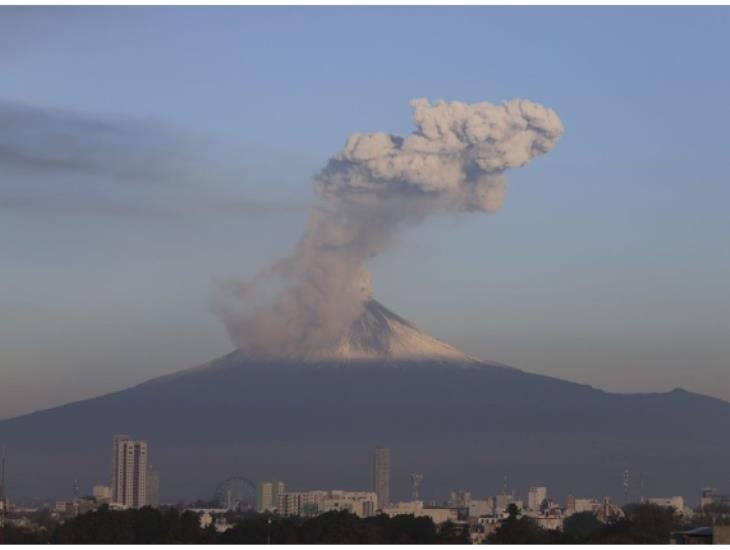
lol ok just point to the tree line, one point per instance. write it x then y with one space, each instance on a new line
172 526
642 524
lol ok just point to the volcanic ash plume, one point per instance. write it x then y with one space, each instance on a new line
453 161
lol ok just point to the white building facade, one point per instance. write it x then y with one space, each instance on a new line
129 484
311 503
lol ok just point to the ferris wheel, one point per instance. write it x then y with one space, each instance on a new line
236 493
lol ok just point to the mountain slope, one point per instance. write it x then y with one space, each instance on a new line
314 420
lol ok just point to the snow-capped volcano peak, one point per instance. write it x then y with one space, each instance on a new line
381 334
377 334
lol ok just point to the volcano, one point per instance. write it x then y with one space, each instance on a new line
313 420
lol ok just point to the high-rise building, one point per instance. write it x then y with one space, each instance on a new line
381 476
267 498
153 487
129 484
535 497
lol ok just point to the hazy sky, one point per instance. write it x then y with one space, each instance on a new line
147 153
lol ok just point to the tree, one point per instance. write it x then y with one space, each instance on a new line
451 533
407 529
582 527
519 530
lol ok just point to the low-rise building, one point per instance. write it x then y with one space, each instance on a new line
102 493
668 502
575 505
480 508
437 514
607 511
441 514
711 496
361 503
503 500
312 503
459 499
404 508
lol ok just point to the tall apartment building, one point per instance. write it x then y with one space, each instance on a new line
267 498
381 476
129 484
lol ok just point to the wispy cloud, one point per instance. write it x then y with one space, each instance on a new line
39 140
70 163
203 207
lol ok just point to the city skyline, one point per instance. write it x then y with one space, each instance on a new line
134 484
479 519
130 488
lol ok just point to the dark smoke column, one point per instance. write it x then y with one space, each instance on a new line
381 476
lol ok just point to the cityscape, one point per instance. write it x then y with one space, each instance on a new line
134 484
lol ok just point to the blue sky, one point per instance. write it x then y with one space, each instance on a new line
607 265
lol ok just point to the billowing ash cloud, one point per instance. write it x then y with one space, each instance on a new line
453 161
